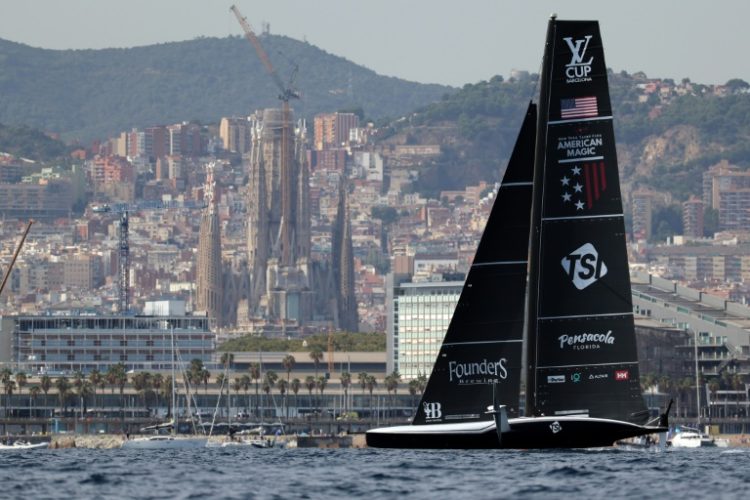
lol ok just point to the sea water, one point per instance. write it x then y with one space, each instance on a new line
240 472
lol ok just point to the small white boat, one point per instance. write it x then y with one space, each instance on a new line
165 442
687 437
24 445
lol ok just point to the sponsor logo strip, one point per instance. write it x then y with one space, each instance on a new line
555 367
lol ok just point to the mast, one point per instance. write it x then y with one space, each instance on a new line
174 398
536 219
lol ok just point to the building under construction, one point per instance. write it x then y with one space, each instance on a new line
279 221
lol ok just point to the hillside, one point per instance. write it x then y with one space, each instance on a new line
86 94
665 139
28 143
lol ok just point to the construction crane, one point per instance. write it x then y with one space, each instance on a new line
15 256
123 273
287 93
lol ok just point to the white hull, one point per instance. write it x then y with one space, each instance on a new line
165 442
689 439
24 446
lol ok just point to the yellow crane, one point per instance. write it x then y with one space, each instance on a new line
15 256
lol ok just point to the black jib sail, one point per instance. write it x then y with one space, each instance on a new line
581 349
483 345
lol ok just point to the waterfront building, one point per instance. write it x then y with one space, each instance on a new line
418 317
67 343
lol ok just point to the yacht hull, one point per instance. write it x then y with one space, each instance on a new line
524 433
165 443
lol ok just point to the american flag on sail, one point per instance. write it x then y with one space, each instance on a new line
579 107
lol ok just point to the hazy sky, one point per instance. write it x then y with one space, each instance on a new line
432 41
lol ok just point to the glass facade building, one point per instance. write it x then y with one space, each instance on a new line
419 315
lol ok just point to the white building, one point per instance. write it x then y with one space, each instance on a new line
418 318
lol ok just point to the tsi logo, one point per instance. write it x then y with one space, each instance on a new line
432 411
584 267
578 70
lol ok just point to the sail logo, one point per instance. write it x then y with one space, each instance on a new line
555 379
432 411
578 70
586 341
458 371
622 375
555 427
576 377
584 267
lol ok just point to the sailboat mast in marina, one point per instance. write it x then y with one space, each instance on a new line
583 387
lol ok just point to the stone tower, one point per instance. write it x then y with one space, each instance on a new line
342 257
210 287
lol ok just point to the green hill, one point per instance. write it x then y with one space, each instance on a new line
29 143
85 94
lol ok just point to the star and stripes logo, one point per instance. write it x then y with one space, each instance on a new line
584 184
579 107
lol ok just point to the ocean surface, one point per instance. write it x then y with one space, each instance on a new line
370 473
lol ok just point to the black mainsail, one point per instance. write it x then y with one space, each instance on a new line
582 366
581 348
484 341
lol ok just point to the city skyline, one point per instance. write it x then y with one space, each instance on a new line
429 42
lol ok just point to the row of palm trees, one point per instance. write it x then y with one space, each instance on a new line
154 390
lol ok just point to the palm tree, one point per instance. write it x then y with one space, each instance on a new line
316 354
84 391
295 386
227 360
96 378
288 364
221 381
246 387
5 376
320 383
205 376
141 383
62 384
268 382
346 381
117 377
46 384
237 387
166 393
413 390
255 375
10 386
21 381
391 385
34 391
157 382
310 384
362 377
282 385
372 383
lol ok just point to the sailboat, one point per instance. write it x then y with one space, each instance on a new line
172 440
559 274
